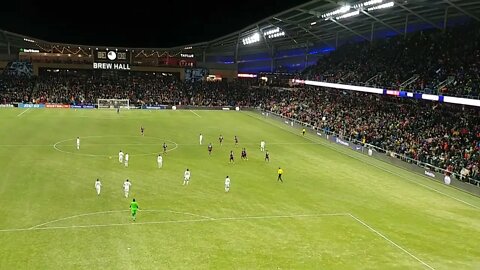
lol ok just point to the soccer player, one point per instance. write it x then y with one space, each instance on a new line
303 132
244 154
210 147
186 177
120 156
280 172
78 143
134 207
262 146
118 109
160 161
201 138
232 160
126 159
227 184
267 156
142 131
236 140
164 148
126 187
98 186
220 139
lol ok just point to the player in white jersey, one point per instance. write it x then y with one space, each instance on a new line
120 156
78 143
160 161
98 186
262 146
227 184
126 187
186 177
126 159
201 139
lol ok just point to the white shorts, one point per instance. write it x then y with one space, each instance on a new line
227 186
186 178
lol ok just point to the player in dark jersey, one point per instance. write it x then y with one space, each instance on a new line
267 156
142 130
210 147
164 148
220 139
236 140
231 157
244 154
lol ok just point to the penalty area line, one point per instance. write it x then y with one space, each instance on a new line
390 241
23 112
203 219
195 113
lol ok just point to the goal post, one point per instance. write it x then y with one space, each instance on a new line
112 103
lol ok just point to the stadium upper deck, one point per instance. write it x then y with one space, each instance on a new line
286 41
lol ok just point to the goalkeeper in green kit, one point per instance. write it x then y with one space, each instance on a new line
134 207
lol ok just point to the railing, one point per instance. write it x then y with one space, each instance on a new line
371 79
411 80
380 150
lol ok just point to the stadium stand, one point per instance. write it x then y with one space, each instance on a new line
430 61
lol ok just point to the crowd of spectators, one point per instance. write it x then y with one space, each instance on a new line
436 62
437 134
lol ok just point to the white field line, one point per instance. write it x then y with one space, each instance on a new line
390 241
93 155
195 113
23 112
374 165
113 211
203 219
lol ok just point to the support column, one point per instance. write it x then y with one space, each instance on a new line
445 19
406 26
306 57
336 40
272 63
371 31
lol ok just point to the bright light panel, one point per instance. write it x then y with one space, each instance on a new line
382 6
347 15
251 39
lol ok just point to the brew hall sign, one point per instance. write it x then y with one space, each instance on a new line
115 60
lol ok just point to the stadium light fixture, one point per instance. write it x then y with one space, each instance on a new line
271 31
254 38
341 10
279 34
382 6
348 15
367 3
313 23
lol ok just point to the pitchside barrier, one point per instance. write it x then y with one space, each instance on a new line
427 170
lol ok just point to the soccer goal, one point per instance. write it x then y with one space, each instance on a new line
113 103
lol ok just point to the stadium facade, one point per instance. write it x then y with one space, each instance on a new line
285 42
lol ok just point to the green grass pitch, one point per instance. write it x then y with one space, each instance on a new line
337 209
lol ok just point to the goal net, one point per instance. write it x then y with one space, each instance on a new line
113 103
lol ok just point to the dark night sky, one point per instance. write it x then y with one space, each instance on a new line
154 23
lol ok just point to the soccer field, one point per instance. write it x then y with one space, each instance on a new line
336 209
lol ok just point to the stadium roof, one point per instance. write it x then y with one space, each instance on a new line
315 22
